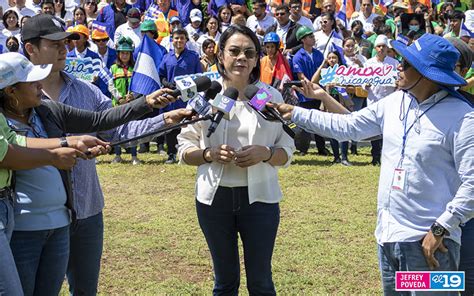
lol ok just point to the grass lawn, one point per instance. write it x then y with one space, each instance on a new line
325 244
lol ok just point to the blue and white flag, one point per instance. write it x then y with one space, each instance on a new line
153 12
342 91
341 14
145 79
464 31
99 26
335 44
403 39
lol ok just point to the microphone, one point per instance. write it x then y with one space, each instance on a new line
199 104
259 97
188 88
224 105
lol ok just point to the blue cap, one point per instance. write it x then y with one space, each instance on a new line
433 57
271 37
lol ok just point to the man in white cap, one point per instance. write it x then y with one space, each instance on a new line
377 92
426 185
194 27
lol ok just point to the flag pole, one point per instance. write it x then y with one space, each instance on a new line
329 41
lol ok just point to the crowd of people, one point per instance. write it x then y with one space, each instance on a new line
264 43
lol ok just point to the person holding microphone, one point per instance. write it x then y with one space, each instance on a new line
237 190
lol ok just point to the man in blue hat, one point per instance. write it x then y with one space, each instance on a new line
426 185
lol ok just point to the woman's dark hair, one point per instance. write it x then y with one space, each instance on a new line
226 6
7 14
347 39
236 29
24 18
357 23
121 64
339 58
74 15
207 22
12 38
207 42
332 18
63 8
96 5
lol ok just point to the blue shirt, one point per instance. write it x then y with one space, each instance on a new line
171 66
438 161
306 64
89 54
88 197
184 7
41 196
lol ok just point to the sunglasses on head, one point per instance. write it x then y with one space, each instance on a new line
58 2
235 52
91 2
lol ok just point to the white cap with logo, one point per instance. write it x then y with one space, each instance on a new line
195 15
15 67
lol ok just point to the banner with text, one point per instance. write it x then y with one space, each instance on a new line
373 75
211 75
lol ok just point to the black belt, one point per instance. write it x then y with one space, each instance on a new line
7 193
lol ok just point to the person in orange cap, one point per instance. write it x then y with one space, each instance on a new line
82 45
106 54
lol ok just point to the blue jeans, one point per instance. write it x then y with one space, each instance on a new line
87 238
9 281
408 256
229 215
467 256
118 150
41 258
335 149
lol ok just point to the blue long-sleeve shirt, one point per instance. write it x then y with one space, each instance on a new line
88 197
307 64
171 66
439 160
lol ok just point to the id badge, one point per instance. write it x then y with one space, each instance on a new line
398 182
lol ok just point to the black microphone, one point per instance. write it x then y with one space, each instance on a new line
188 88
200 105
258 99
224 104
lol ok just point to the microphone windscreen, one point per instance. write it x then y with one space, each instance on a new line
231 93
250 91
212 91
202 83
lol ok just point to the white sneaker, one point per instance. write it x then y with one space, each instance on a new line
135 161
117 159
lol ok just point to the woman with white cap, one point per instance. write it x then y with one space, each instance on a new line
40 240
17 76
377 92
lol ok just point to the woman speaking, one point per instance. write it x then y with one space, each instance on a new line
237 190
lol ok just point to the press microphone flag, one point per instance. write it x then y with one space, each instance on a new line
188 88
259 97
200 104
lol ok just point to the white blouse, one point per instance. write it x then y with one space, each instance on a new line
262 178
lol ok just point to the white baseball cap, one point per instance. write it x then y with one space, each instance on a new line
15 67
195 15
381 40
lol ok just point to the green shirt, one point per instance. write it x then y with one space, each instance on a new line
7 136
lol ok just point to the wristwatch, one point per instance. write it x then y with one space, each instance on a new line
63 142
438 230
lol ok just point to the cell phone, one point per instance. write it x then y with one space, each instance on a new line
297 83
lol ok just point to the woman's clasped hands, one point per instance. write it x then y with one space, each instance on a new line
242 157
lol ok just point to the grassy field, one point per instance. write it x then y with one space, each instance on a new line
325 244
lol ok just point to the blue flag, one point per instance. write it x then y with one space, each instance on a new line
145 79
335 44
342 91
341 14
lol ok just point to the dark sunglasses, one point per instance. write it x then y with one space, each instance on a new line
295 7
58 2
405 65
235 52
100 40
280 13
91 2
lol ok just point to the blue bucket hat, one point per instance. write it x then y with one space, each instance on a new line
433 57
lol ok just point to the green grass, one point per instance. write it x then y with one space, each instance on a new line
325 244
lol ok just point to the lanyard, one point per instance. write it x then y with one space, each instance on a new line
406 131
